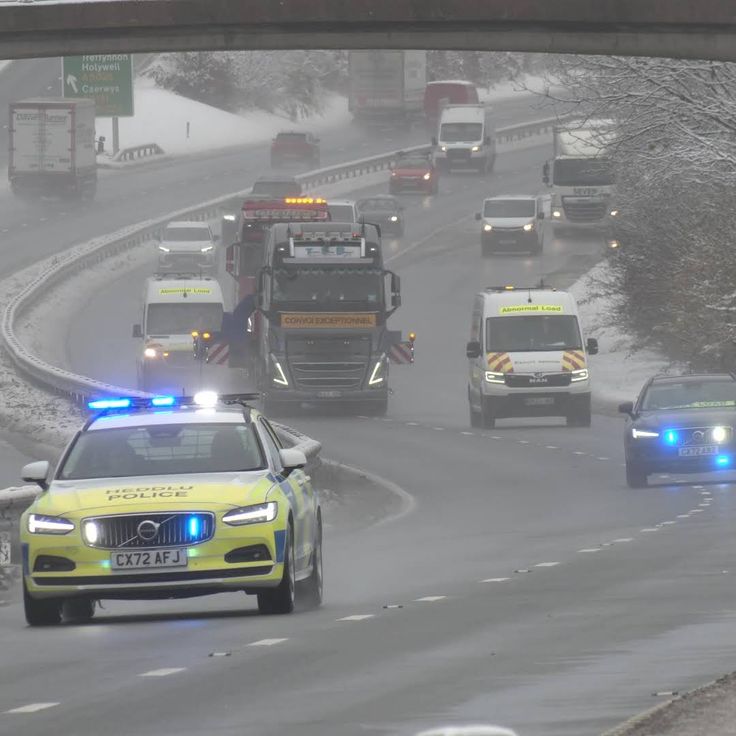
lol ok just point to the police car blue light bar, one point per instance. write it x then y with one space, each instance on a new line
102 404
163 401
202 400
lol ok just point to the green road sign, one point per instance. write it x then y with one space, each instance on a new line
105 78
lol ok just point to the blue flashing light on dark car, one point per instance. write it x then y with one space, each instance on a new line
723 461
163 401
194 527
670 437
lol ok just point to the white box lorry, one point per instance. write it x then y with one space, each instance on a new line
52 147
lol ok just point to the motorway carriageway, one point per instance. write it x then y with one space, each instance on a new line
528 587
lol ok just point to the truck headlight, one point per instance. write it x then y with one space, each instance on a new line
427 176
487 228
256 514
556 213
394 218
581 375
529 227
206 249
475 149
164 249
279 377
614 213
377 377
150 353
492 377
39 524
643 434
443 149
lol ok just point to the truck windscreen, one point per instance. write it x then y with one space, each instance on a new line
328 285
181 319
570 172
532 333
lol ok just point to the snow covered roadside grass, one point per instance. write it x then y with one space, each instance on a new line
5 63
511 88
183 126
622 366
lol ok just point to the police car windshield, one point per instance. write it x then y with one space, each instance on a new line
328 284
689 395
461 132
187 234
169 449
181 319
341 213
509 208
532 332
582 172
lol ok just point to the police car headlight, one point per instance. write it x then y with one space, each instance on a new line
614 213
39 524
492 377
719 434
377 377
529 227
91 532
256 514
475 149
394 218
556 213
279 377
206 249
581 375
150 353
164 249
427 176
487 228
643 434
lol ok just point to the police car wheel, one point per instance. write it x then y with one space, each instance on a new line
636 476
79 610
282 599
44 612
313 586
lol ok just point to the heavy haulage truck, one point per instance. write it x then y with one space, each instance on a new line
52 148
324 299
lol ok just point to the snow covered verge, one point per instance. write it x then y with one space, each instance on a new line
4 63
622 366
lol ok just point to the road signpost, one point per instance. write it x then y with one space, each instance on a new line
105 78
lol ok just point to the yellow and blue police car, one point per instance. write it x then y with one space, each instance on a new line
171 497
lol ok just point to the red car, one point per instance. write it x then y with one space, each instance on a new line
414 173
292 146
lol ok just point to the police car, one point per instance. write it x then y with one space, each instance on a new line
680 424
171 497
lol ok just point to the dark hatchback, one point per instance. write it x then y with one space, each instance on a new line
680 424
382 210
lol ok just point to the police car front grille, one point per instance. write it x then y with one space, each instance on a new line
528 380
579 211
175 529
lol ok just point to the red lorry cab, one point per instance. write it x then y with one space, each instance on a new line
447 92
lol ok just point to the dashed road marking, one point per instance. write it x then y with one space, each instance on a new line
267 642
705 504
668 523
577 452
430 599
547 564
412 424
522 569
683 516
468 434
623 540
357 617
589 549
32 708
649 529
495 580
551 447
438 429
696 511
164 672
603 458
495 437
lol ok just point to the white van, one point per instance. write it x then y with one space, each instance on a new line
173 308
466 138
527 357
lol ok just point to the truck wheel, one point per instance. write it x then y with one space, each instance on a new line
282 599
43 612
636 476
79 610
312 588
489 418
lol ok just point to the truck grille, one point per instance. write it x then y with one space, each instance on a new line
581 210
324 363
132 531
545 380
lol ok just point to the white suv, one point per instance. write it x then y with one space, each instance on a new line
187 247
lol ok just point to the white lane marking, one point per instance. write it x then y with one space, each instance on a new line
164 672
523 442
649 529
696 511
412 424
357 617
603 458
668 523
547 564
32 708
577 452
551 447
589 549
430 599
523 569
496 437
360 416
495 580
623 540
683 516
703 493
220 654
438 429
468 434
267 642
705 504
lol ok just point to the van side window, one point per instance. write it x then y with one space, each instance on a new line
476 325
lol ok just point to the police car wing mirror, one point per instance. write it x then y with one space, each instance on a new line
137 331
472 349
292 459
477 216
37 472
626 408
592 346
